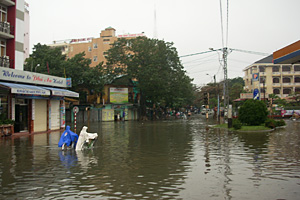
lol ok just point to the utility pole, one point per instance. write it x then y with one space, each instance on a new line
225 89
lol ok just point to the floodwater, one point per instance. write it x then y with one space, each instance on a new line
176 159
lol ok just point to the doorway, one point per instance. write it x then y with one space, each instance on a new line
21 115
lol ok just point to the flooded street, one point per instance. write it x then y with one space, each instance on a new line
176 159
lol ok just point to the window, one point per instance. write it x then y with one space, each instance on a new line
276 91
297 68
275 69
261 68
297 90
297 79
2 48
95 59
89 49
286 68
286 80
276 80
95 45
262 79
3 106
3 14
104 40
287 90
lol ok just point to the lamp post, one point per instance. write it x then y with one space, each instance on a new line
36 67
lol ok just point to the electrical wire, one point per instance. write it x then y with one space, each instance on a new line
227 23
222 30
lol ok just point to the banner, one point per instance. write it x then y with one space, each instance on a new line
118 95
33 78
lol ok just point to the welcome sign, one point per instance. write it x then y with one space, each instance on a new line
33 78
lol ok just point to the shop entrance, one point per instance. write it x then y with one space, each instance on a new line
21 115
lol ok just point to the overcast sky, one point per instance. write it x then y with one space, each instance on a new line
193 26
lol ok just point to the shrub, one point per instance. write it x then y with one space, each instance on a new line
280 123
236 124
270 123
253 112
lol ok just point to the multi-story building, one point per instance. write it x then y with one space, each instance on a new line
12 34
35 102
94 48
278 73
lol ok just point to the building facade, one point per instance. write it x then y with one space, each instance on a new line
12 34
35 102
94 48
277 74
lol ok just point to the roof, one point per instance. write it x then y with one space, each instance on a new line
268 59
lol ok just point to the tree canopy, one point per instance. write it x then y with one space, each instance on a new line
47 60
156 66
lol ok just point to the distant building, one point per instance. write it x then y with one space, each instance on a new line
278 73
94 48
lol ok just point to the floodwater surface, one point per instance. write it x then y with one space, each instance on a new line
175 159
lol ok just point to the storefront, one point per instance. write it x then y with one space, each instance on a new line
34 108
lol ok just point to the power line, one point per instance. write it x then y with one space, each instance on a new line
222 31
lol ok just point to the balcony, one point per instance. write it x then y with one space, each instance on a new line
5 62
287 84
8 2
6 30
276 73
276 84
287 72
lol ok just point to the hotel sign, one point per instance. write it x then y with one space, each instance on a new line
20 76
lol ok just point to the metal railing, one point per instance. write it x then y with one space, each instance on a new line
5 27
5 61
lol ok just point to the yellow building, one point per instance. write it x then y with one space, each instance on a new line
280 79
94 48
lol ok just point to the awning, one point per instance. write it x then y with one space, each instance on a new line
62 92
25 89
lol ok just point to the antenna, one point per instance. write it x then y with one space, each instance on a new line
155 27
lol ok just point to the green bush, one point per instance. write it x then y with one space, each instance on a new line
280 123
236 124
270 123
253 112
6 121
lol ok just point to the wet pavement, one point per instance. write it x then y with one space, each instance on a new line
174 159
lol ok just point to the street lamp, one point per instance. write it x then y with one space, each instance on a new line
36 67
210 77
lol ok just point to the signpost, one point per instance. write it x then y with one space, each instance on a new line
256 94
75 111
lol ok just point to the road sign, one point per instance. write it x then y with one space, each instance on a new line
75 109
256 94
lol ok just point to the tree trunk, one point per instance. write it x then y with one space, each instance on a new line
143 114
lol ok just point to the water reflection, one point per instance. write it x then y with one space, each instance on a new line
180 159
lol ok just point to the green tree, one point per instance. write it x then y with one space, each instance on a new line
253 112
156 66
43 58
47 60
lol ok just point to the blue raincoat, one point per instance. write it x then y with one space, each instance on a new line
68 137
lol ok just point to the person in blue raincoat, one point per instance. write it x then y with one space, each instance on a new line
68 138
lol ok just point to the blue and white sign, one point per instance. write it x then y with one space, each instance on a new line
21 76
256 94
